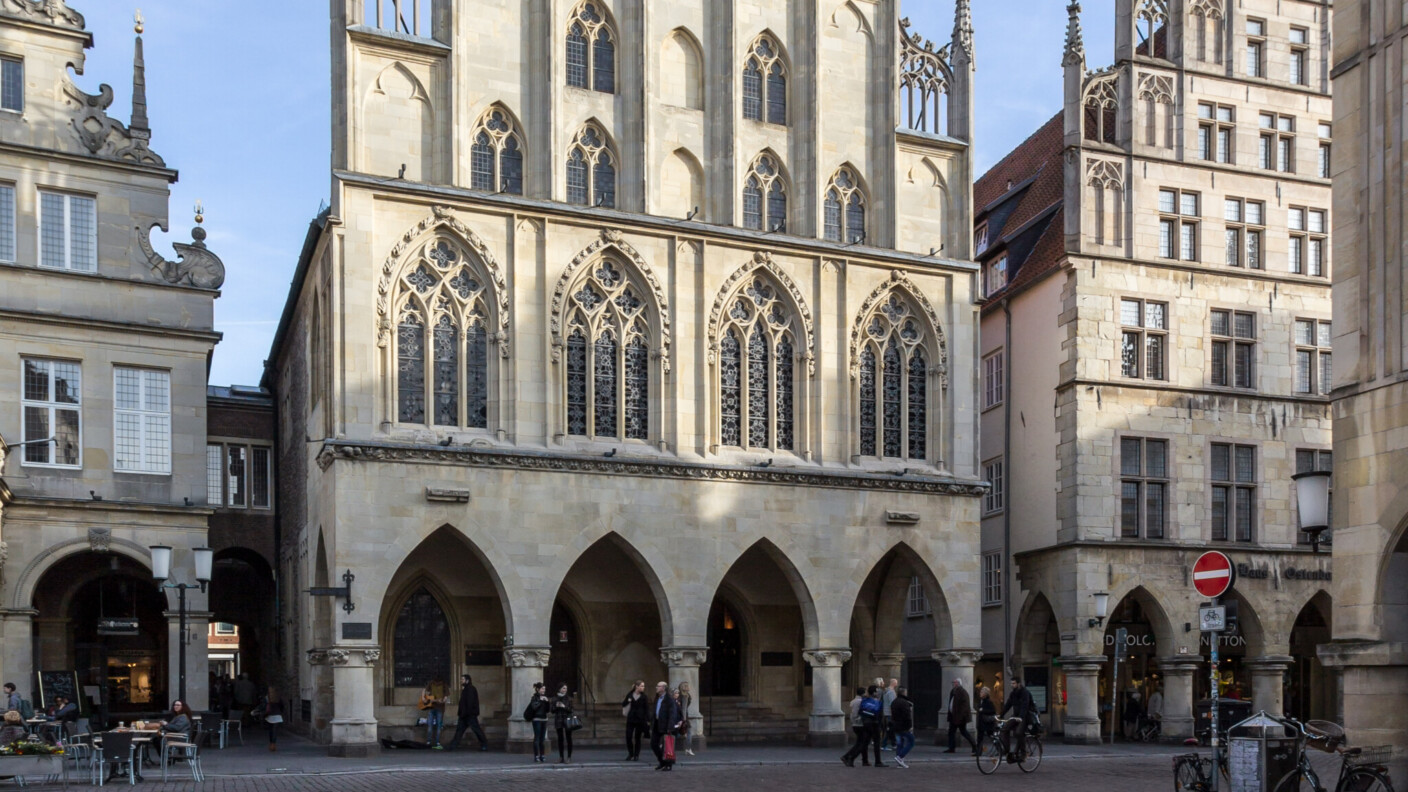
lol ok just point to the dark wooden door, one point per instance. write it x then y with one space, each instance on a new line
564 662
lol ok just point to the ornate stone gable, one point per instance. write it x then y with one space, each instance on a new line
102 135
441 219
611 239
49 12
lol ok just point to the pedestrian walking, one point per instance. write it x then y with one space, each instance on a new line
245 693
537 713
960 711
636 709
858 729
987 717
682 730
273 716
561 712
902 724
1131 712
887 700
467 715
871 710
686 700
664 722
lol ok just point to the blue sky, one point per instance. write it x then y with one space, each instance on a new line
238 99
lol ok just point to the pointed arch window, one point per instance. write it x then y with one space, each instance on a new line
591 49
844 209
757 371
608 355
421 640
765 82
591 169
765 196
894 384
442 360
1101 112
496 154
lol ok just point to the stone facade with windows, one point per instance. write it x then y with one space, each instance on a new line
668 373
1160 324
104 344
1369 508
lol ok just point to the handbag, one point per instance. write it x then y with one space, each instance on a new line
274 719
572 722
669 751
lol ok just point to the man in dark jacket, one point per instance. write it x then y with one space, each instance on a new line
960 712
665 716
468 714
902 724
1020 704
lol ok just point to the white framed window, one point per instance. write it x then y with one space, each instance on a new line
239 476
994 379
992 578
996 498
1178 225
1217 133
1144 487
1233 492
1233 349
1256 48
1322 165
1245 223
141 421
1313 362
12 85
7 223
52 402
1143 339
225 628
68 231
1308 243
1277 145
994 276
918 602
1300 56
980 240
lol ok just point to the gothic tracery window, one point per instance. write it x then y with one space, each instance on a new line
844 208
442 337
894 385
924 79
757 369
765 83
1101 112
765 196
421 641
496 154
591 169
608 355
591 49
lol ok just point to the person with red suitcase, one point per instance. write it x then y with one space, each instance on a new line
664 721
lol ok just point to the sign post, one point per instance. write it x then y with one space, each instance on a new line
1121 637
1212 577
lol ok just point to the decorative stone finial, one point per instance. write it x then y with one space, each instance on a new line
963 29
137 18
140 127
1075 39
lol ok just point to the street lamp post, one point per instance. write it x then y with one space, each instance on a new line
1313 496
161 570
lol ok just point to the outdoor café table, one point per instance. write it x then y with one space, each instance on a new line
39 765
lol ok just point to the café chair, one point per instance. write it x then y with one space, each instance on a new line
174 750
236 722
117 752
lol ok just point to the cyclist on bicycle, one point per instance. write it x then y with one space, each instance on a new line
1020 704
987 717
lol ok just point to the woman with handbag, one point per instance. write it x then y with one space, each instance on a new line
566 722
536 713
273 716
636 709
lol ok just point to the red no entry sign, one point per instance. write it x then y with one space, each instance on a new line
1212 574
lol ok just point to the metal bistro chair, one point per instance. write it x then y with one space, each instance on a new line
236 722
80 749
117 751
176 750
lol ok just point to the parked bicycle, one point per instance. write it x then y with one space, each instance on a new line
1193 773
1361 769
1149 729
996 747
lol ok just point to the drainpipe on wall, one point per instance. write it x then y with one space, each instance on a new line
1007 479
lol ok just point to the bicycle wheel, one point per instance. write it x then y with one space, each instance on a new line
1365 780
989 756
1186 777
1291 782
1032 760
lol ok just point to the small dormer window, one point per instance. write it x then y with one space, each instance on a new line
12 85
980 240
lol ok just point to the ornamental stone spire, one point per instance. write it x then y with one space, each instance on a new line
963 29
140 126
1075 39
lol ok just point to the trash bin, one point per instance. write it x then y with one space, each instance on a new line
1260 752
1229 711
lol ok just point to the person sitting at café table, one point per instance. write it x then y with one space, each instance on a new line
13 729
178 729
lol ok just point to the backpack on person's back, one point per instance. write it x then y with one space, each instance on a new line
26 709
870 709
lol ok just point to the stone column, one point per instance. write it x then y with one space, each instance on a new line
1083 698
887 664
683 663
1178 674
525 667
827 725
197 656
17 648
955 664
1268 675
354 715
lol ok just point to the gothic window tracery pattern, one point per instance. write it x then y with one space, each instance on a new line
591 169
421 641
757 371
1206 17
893 380
1156 92
765 82
496 154
844 208
924 81
591 49
608 355
1151 28
442 333
1101 110
765 195
1106 181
